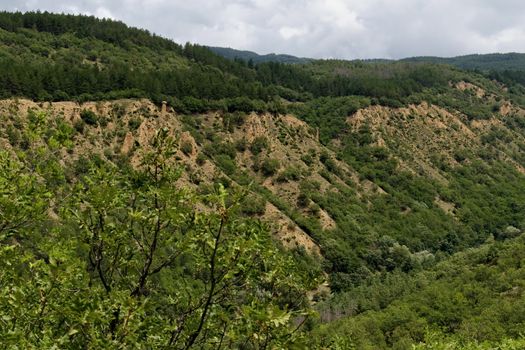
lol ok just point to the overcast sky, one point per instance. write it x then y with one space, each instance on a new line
319 28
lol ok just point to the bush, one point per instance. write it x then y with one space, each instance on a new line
134 123
245 104
302 200
118 110
186 147
461 155
201 159
190 105
390 102
226 163
307 159
310 186
315 209
89 117
226 148
232 120
252 205
81 166
13 135
270 166
259 144
289 174
79 126
241 145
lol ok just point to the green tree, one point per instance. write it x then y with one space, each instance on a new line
131 263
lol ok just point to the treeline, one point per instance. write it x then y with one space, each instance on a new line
83 26
207 76
42 74
62 82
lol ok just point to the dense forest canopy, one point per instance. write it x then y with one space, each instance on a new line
49 56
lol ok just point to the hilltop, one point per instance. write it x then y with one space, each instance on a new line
247 56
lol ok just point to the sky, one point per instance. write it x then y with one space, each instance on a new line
347 29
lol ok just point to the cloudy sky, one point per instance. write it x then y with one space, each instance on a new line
319 28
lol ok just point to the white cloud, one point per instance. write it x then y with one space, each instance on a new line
319 28
103 12
290 32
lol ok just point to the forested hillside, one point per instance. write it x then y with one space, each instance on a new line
157 195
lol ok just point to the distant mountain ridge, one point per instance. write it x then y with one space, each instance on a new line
484 62
255 57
